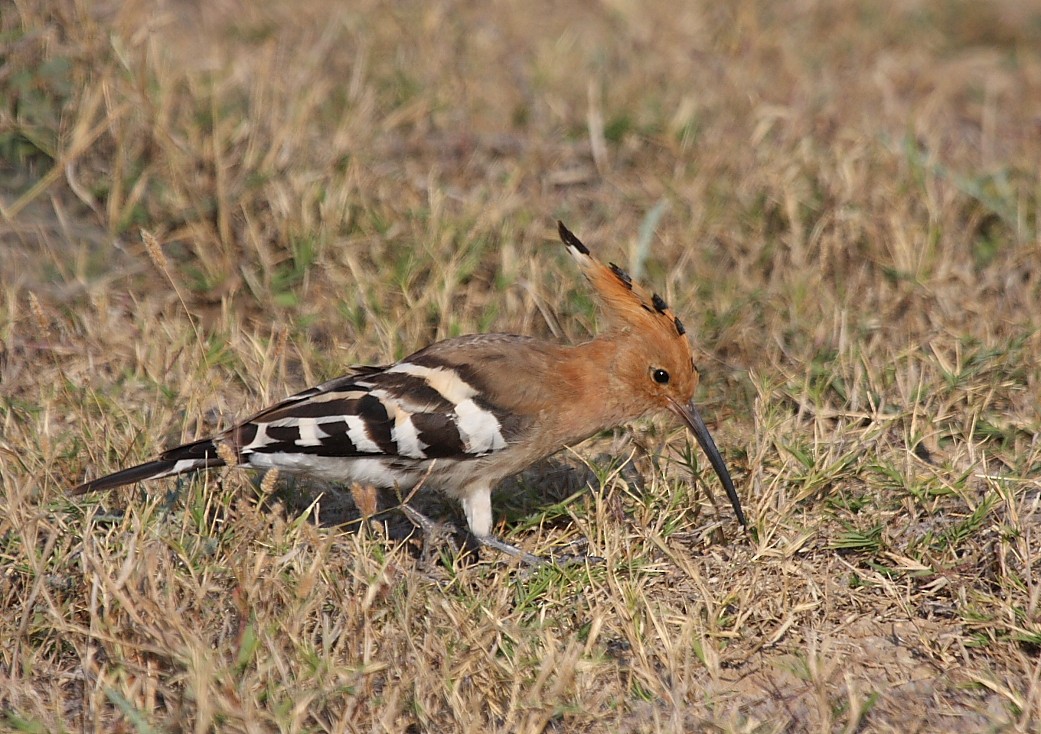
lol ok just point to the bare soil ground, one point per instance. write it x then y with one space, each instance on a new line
841 200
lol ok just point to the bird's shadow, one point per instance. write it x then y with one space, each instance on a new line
534 496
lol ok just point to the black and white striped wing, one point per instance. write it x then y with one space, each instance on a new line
407 411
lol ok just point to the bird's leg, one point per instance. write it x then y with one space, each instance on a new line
433 529
477 505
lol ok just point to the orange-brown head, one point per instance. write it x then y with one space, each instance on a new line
655 359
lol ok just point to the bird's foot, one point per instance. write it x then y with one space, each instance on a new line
490 541
558 560
435 534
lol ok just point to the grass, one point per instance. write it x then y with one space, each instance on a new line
206 209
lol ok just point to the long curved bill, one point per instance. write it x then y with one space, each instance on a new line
692 418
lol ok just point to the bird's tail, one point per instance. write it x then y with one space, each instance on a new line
190 457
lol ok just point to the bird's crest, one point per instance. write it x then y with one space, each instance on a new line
625 303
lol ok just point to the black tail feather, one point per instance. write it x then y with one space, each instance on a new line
190 457
203 449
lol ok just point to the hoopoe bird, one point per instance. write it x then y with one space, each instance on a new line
464 413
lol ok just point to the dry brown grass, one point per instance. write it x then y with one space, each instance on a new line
842 203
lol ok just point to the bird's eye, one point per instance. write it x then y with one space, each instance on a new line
661 376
